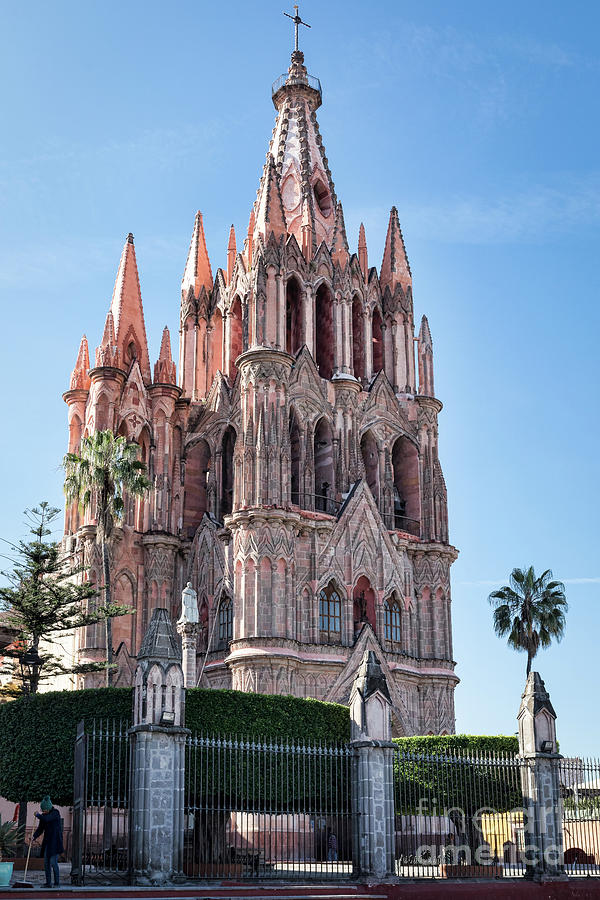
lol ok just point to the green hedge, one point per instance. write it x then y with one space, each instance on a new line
434 772
37 734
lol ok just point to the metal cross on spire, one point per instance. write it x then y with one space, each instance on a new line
297 21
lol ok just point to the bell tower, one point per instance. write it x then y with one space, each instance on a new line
297 484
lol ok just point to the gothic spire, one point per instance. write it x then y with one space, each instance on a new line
299 155
107 354
197 273
363 258
425 333
80 380
231 252
128 313
339 249
164 368
270 216
395 268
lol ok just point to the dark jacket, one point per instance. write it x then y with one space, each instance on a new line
51 827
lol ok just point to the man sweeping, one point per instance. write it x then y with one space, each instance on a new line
52 844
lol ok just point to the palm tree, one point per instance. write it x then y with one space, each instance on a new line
531 611
96 478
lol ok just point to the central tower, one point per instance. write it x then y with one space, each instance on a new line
296 479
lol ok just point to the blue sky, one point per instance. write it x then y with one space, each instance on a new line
477 120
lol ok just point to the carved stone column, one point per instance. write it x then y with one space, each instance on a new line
540 779
373 782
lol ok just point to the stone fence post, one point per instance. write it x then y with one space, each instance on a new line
373 826
540 781
158 757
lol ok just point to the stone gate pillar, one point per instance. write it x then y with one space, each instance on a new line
540 781
373 826
158 761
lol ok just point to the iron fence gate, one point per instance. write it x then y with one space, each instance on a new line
458 814
267 809
101 803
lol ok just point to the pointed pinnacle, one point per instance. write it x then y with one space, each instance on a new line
80 379
395 268
425 333
198 272
231 251
127 310
164 368
363 258
339 249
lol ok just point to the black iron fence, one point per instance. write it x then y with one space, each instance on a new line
257 809
580 792
458 815
100 847
267 809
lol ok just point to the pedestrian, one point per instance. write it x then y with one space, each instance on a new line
331 847
52 843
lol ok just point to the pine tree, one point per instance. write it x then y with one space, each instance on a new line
44 599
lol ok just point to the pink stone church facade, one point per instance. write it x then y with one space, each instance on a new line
294 458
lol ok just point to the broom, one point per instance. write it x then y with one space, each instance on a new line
25 884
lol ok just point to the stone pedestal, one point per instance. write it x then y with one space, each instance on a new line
188 631
158 759
373 781
540 781
158 748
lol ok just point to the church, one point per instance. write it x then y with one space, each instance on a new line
293 452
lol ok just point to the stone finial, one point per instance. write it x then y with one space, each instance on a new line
164 368
537 719
231 254
189 606
363 257
370 701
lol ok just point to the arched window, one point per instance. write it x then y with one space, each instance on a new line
295 461
377 338
324 329
358 339
195 503
323 456
392 623
235 336
293 317
227 471
225 622
216 344
330 615
407 504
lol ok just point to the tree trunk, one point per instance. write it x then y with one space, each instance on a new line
529 660
108 620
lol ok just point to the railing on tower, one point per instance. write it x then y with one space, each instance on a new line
395 522
313 82
317 502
